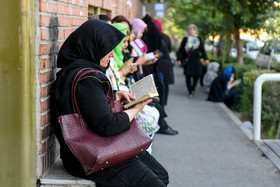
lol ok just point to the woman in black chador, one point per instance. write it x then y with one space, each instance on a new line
188 56
91 46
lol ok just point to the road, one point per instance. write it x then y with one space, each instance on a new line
210 150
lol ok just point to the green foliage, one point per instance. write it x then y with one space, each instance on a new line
272 24
270 102
198 12
214 17
249 72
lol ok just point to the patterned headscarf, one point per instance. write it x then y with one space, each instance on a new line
138 26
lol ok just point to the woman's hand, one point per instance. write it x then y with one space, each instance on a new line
150 62
124 96
179 62
141 60
137 108
127 68
235 83
140 106
134 67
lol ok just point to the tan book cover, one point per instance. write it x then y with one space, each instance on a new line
143 90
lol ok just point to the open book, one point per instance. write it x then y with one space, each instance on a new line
143 90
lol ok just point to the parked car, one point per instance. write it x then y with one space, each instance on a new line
249 48
269 53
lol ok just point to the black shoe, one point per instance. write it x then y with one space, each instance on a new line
177 132
167 131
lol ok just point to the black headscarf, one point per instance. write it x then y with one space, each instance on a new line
218 89
152 38
90 42
84 48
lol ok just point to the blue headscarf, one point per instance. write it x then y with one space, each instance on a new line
228 71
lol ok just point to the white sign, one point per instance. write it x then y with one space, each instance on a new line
159 6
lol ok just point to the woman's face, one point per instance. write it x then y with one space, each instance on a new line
125 44
232 77
140 35
106 59
132 36
125 23
192 31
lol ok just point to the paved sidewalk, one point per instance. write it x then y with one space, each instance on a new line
210 150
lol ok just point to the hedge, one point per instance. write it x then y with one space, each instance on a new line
270 102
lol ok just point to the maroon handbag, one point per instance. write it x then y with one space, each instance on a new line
96 152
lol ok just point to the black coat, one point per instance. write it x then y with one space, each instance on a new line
191 59
218 89
164 63
153 40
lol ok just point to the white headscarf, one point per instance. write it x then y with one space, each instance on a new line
193 41
211 73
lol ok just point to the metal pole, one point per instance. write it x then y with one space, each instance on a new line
258 99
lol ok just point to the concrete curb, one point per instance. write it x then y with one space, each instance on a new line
236 120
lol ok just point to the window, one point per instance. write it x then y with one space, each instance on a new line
97 10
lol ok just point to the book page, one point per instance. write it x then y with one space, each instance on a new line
143 86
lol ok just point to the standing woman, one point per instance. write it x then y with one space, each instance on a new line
188 56
91 46
165 64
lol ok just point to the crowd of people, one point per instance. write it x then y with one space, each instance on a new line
103 44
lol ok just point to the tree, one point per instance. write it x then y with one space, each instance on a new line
199 12
244 14
224 16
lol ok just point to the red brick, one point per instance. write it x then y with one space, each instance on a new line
44 20
45 34
45 64
81 12
60 9
65 22
45 91
42 6
50 141
81 3
78 21
46 77
45 119
61 35
43 148
46 132
107 4
44 49
67 32
48 144
96 3
65 1
45 105
46 160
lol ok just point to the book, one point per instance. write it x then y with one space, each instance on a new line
143 90
139 46
150 56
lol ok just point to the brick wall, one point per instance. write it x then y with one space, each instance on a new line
57 20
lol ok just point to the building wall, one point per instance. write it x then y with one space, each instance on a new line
57 20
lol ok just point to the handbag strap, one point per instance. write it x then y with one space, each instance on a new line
76 79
